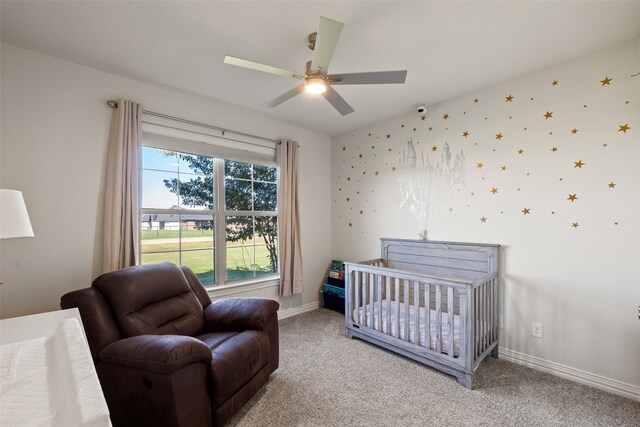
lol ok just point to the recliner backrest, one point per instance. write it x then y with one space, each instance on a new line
153 299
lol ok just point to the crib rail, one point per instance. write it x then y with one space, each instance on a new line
449 319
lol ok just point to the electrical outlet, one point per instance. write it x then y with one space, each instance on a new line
536 329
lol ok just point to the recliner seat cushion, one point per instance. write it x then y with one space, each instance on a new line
152 300
236 361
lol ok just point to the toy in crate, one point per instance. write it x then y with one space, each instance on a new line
336 273
333 291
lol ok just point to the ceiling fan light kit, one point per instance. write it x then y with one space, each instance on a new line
315 85
316 80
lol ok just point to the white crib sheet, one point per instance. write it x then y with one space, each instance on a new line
51 381
444 341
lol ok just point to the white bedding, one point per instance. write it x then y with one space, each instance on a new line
444 342
51 381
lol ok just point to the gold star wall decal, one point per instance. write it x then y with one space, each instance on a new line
360 212
350 225
554 83
393 168
423 118
572 197
344 148
574 131
476 100
479 165
388 135
402 126
434 148
624 128
499 135
526 211
348 178
548 115
612 185
554 149
508 98
465 133
606 81
348 199
377 173
504 168
446 116
578 164
494 190
575 225
483 219
360 155
520 151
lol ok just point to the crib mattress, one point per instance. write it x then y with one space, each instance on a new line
444 341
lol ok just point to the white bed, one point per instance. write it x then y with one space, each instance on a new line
49 380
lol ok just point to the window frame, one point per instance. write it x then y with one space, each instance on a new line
219 214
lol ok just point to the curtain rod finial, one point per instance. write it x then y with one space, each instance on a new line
111 103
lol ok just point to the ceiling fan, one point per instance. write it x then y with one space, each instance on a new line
316 79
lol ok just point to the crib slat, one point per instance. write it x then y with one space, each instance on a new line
416 312
476 321
490 314
356 285
387 280
372 297
379 291
406 306
365 297
483 325
396 319
482 319
427 315
463 316
488 322
450 349
438 318
496 319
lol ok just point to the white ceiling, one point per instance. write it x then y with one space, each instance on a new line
448 48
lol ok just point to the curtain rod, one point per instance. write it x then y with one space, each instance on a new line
114 104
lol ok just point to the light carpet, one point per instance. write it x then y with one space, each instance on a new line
325 379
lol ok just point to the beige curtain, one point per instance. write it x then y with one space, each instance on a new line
122 199
290 254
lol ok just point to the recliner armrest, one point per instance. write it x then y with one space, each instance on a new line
163 354
239 314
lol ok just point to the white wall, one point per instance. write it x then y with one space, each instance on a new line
581 283
55 125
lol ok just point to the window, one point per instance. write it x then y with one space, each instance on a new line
218 217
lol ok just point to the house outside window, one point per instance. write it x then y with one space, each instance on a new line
216 216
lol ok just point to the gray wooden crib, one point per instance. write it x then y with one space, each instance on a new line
434 302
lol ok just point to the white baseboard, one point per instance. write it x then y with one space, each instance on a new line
294 311
629 391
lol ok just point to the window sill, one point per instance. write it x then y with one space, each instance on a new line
243 286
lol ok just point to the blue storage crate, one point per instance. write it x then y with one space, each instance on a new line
333 290
332 301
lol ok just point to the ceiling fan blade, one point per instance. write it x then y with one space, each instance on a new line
285 96
326 41
337 101
259 67
373 78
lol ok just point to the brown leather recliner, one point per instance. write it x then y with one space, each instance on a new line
166 355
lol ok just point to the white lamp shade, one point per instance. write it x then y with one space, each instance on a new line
14 219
